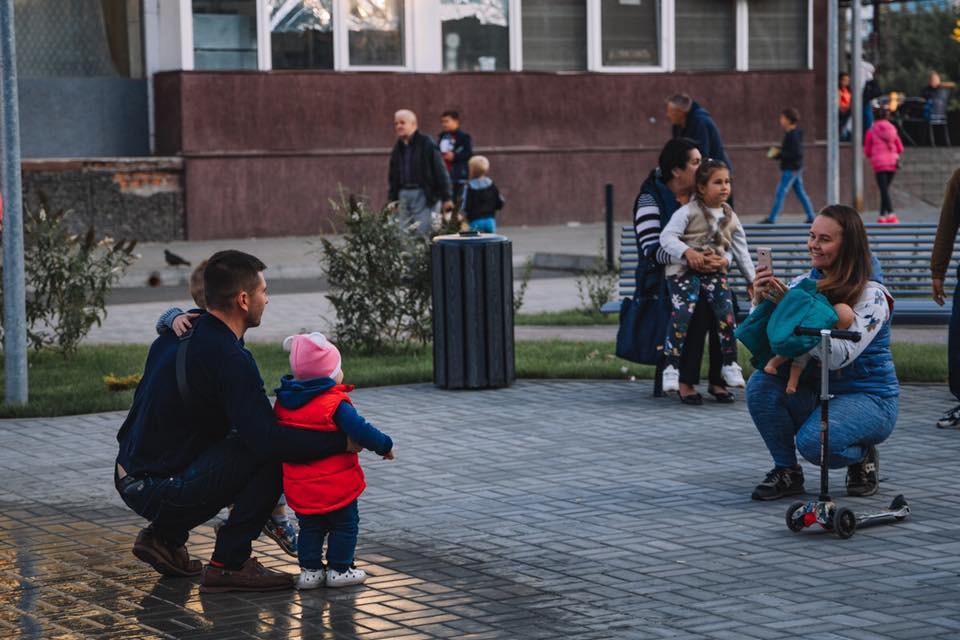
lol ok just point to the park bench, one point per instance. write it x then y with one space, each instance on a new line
902 249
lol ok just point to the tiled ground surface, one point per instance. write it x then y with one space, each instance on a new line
547 510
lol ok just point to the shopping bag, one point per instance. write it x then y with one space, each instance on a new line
644 317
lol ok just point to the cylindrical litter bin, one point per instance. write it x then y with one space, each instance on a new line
472 311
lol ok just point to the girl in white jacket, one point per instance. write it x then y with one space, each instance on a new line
705 225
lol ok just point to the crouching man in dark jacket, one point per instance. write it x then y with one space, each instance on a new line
201 435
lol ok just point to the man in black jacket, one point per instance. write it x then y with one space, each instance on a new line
418 177
201 435
692 121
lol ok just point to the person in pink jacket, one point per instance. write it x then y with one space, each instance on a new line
883 146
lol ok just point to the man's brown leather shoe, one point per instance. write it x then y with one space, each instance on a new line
164 557
252 576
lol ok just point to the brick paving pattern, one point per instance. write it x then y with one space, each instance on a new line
548 510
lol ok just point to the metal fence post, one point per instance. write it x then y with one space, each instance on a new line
608 193
833 116
856 104
14 289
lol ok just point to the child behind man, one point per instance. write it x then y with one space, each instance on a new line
324 493
481 198
278 527
705 225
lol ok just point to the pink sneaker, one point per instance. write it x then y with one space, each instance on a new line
892 219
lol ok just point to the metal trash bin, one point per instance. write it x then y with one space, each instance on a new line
472 276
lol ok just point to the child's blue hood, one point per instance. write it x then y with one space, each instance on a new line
480 183
293 394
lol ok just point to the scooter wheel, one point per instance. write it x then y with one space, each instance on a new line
793 524
844 522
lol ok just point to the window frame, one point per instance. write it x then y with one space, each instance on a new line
423 49
341 41
667 44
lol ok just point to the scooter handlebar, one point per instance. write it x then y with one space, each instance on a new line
836 334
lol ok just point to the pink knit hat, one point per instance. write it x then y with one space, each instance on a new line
312 356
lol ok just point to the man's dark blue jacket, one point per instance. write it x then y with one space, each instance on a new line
162 436
701 128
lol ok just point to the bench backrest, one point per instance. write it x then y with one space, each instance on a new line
902 249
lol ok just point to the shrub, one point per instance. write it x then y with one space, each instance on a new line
597 286
67 279
379 277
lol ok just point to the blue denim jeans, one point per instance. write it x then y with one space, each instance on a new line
791 422
790 179
340 528
226 473
484 225
953 343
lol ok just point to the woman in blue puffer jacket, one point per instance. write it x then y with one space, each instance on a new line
863 380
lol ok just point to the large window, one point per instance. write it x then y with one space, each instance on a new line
430 36
476 35
301 34
778 34
81 38
225 34
706 34
554 35
630 33
375 33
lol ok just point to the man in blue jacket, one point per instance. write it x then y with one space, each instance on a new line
201 435
690 120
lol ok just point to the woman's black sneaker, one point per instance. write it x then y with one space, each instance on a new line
779 482
863 478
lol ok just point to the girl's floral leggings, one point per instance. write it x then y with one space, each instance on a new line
685 290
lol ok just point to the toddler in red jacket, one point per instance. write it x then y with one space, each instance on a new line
324 493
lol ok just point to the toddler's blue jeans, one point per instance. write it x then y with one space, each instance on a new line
339 528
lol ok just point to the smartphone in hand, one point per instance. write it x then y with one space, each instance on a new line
765 258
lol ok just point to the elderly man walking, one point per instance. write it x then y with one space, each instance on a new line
690 120
418 176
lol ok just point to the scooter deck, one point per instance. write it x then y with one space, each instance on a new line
898 510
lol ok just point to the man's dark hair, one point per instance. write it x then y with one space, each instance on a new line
450 113
675 155
228 273
791 114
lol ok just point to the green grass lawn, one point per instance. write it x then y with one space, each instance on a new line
568 318
75 385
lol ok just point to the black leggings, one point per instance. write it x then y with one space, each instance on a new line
884 178
701 323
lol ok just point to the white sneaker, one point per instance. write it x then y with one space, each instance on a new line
311 578
671 379
732 374
345 578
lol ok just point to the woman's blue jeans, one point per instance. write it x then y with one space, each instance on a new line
788 179
791 422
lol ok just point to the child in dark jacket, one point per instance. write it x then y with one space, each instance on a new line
790 154
481 198
324 493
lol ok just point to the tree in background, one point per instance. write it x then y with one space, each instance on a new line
913 43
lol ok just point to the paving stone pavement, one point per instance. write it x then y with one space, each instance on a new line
553 509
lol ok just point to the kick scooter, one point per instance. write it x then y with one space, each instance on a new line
824 511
